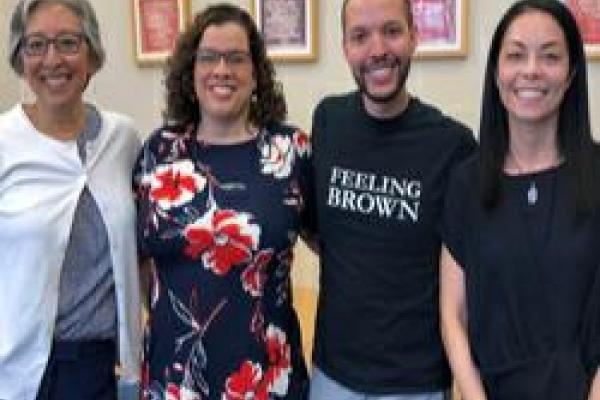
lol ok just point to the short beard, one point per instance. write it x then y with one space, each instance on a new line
402 69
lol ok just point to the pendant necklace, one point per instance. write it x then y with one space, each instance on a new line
532 192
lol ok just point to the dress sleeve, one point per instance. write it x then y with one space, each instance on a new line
305 179
591 327
454 221
140 186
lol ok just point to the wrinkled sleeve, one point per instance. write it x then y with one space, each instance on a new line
454 222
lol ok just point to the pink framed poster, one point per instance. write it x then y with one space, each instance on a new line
441 28
288 27
156 27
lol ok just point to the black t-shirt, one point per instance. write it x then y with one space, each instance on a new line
529 272
379 191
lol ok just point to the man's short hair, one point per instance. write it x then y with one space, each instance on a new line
407 10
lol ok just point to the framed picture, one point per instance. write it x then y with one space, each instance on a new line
156 27
441 27
587 14
289 28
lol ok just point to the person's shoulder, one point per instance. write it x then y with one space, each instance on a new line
12 121
282 129
467 170
12 114
338 101
166 134
119 127
116 119
291 133
436 117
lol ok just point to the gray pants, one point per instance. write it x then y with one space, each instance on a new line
323 387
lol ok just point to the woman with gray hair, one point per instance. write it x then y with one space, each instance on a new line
69 300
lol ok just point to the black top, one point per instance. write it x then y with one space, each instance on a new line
220 222
529 272
379 188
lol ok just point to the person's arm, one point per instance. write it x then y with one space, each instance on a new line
454 328
595 390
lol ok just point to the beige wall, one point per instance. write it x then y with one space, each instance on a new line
122 85
8 84
452 84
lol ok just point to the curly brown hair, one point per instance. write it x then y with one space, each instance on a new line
182 103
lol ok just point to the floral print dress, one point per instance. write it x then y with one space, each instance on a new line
219 222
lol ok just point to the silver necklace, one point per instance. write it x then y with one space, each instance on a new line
532 192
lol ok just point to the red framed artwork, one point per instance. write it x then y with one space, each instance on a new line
587 14
156 27
289 28
441 28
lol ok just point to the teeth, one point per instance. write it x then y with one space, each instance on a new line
222 90
530 93
55 81
379 72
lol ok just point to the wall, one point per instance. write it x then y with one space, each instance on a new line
9 87
454 85
122 85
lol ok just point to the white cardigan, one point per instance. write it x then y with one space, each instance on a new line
41 180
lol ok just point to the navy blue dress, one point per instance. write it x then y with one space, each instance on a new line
220 222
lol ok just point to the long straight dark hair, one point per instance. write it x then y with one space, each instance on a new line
575 143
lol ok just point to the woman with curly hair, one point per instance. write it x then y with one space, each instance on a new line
221 193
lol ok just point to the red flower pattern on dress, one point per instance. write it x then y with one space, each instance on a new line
301 142
250 383
226 241
254 276
174 392
224 238
277 157
173 185
246 383
280 365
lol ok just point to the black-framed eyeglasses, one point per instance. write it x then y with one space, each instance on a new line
234 58
36 44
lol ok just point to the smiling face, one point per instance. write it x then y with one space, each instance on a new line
378 44
533 69
58 80
224 86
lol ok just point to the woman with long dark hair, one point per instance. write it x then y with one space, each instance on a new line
520 280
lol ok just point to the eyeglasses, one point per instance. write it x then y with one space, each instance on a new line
36 44
233 58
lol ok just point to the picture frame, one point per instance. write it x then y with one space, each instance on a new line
289 28
587 15
156 28
442 28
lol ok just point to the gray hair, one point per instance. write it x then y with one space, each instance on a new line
81 8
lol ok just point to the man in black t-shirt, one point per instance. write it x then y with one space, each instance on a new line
382 159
